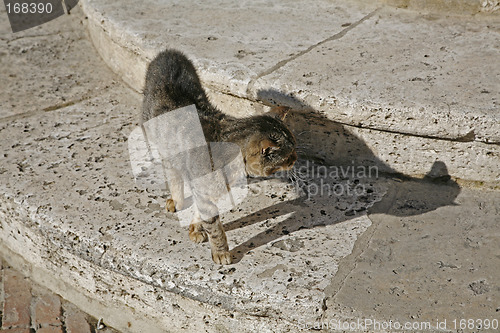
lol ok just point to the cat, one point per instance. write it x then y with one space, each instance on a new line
266 144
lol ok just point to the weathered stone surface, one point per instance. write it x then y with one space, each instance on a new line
453 7
425 76
231 43
48 67
70 206
335 144
425 267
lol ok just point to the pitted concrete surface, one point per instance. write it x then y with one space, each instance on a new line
41 70
349 244
231 43
427 267
397 74
394 76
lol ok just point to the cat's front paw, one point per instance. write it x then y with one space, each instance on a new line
222 257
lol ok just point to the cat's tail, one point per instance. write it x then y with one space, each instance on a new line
171 83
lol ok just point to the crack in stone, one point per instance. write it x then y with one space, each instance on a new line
66 104
337 284
309 49
469 137
349 263
48 109
37 36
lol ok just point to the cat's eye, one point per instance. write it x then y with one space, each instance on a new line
269 151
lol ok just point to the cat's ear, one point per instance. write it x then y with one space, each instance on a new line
267 146
279 112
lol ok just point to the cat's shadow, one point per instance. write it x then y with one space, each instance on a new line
333 144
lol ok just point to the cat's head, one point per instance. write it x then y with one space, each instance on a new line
270 147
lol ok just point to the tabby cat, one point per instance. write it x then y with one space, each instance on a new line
266 143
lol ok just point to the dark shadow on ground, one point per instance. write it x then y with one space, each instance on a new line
330 143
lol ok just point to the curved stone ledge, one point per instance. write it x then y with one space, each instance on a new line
107 294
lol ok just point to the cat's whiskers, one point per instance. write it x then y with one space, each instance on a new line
303 148
303 132
296 179
302 153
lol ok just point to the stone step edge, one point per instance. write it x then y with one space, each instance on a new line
126 59
110 46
